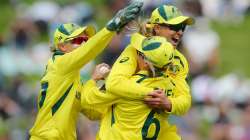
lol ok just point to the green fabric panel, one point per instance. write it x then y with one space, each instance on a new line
60 101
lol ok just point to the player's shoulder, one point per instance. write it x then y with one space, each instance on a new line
128 54
180 59
179 65
135 40
129 48
51 69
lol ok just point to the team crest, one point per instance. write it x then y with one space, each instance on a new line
157 20
173 69
59 38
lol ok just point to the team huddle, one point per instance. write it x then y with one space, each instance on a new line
146 84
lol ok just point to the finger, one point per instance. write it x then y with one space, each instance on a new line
159 90
157 93
147 96
154 95
153 106
136 4
134 10
153 92
130 17
152 99
152 102
139 3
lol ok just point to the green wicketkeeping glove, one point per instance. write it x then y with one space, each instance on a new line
124 16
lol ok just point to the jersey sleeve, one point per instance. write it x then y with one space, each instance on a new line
181 101
118 81
83 54
95 103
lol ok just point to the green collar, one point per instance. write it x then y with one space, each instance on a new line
57 53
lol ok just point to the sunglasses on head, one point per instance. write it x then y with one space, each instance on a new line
176 27
79 40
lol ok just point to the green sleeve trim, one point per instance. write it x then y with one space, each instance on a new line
60 101
56 53
112 115
44 88
172 83
177 57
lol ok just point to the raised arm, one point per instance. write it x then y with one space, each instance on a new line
181 102
95 45
79 57
118 81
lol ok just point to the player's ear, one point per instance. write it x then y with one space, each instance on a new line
156 29
142 64
62 47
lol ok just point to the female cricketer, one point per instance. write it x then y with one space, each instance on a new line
59 101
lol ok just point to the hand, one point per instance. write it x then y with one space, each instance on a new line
157 99
100 72
124 16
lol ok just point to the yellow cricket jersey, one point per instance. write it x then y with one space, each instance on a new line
134 120
178 73
118 80
96 102
119 83
127 118
59 101
125 66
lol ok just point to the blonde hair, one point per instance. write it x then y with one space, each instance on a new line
146 29
52 47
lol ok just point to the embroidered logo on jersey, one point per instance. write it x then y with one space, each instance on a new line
124 59
173 69
78 95
59 38
157 20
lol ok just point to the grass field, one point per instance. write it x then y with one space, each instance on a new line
235 47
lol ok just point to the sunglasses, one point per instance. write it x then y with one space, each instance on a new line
176 27
79 40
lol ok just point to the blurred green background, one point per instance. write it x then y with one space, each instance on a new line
234 48
234 58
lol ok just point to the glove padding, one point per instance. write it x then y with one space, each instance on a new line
124 16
